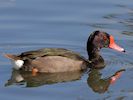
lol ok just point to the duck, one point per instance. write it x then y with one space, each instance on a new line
53 60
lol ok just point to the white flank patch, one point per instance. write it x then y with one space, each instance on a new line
18 64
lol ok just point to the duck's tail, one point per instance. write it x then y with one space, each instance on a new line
12 57
16 61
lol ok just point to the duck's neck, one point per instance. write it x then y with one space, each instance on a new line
93 52
94 56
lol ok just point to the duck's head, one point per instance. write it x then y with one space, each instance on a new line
99 39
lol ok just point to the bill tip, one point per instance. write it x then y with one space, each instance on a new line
124 50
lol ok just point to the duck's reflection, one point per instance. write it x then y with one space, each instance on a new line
94 80
19 78
100 84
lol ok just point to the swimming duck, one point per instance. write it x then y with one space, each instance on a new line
51 60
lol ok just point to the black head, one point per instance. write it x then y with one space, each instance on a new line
96 41
99 39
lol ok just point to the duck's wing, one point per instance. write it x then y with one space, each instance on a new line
51 52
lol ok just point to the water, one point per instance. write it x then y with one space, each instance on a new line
33 24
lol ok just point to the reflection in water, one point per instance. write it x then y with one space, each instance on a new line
19 78
95 80
99 84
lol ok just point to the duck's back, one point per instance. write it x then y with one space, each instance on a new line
51 52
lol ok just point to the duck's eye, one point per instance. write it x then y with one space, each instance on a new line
104 38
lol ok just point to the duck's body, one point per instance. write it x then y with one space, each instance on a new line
51 60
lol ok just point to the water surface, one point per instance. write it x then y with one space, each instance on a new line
33 24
